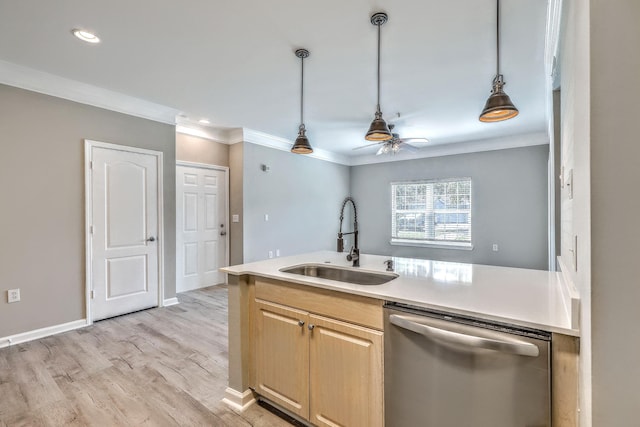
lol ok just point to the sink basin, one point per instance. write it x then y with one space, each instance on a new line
340 274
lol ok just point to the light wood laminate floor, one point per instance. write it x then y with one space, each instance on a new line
159 367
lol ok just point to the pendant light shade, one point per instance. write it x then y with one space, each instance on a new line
302 146
379 130
499 106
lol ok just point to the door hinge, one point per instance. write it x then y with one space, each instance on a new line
91 229
90 164
93 295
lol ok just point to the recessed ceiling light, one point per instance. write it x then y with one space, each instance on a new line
204 122
85 36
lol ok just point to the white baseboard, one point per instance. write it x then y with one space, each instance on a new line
41 333
237 400
170 301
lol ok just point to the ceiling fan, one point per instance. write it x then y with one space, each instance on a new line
396 144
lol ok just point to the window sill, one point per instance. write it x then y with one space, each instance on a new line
439 245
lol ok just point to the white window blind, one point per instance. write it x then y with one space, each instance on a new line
437 211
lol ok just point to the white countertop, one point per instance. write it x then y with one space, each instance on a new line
518 296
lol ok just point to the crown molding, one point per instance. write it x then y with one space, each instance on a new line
216 135
236 135
502 143
60 87
271 141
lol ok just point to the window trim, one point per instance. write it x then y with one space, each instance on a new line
435 244
464 246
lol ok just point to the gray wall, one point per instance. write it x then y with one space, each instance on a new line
191 148
302 197
509 205
615 204
42 248
236 233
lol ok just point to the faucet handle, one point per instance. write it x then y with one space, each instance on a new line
389 264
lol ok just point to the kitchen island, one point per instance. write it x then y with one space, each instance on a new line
520 297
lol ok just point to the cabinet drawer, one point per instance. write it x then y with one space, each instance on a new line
338 305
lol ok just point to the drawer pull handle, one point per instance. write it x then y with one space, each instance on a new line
311 326
300 322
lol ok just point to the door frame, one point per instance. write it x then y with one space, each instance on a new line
224 169
88 214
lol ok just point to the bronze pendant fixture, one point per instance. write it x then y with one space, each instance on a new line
379 130
302 146
499 106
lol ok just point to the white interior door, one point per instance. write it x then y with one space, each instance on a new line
124 231
201 227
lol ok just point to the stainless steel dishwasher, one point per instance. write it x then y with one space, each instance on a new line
454 371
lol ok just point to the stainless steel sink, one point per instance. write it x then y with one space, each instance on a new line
340 274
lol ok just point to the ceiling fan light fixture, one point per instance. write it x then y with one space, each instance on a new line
379 130
499 106
301 145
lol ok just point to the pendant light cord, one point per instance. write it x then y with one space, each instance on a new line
302 92
378 104
497 38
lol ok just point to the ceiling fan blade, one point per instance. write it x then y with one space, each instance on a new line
416 144
367 146
423 140
409 148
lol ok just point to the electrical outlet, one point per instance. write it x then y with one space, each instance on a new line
277 252
13 295
494 248
270 254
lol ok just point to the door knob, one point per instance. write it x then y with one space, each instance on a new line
151 239
223 233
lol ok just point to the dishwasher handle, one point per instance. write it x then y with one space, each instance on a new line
513 346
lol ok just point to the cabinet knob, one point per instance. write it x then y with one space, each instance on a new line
300 322
311 326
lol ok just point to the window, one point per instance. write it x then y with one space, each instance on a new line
431 213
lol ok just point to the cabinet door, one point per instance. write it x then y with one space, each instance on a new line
282 356
345 374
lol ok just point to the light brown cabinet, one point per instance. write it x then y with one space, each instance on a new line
345 374
325 370
282 356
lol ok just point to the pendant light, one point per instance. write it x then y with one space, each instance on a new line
499 106
302 146
378 131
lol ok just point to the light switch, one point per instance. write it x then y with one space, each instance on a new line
235 218
266 217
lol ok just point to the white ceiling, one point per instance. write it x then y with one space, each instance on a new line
233 62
